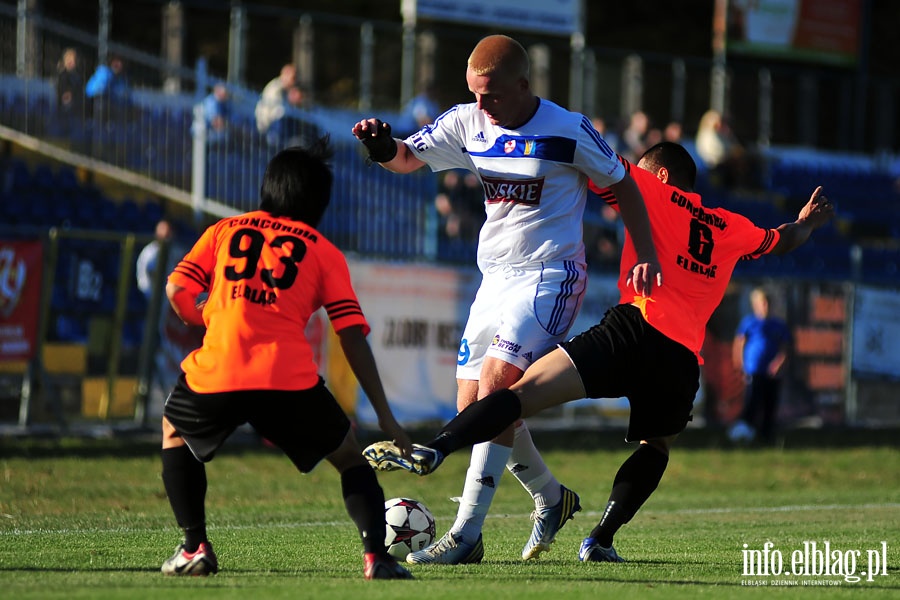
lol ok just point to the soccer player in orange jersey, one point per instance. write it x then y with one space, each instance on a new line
647 349
265 273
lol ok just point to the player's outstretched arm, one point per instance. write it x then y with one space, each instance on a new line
818 211
634 214
359 356
389 152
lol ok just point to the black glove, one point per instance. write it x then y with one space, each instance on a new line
381 145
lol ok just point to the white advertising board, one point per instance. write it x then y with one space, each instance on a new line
562 17
875 347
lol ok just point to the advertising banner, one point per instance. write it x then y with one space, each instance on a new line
876 332
417 314
562 17
825 31
21 265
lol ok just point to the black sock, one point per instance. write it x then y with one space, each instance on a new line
637 478
184 478
364 500
481 421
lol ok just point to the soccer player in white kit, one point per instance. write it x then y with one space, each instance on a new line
534 160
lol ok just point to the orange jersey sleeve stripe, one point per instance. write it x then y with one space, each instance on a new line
194 272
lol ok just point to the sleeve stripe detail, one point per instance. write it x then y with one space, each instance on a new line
588 127
763 248
194 272
343 308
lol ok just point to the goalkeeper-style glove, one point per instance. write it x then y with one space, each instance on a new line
381 145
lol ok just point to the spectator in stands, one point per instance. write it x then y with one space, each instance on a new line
604 237
171 339
108 91
612 139
69 92
148 259
719 149
634 137
673 132
759 352
217 112
418 112
294 125
460 204
274 97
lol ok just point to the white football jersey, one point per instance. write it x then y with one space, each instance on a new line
534 178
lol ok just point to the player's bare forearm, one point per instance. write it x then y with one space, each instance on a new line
637 222
404 162
362 362
185 305
817 212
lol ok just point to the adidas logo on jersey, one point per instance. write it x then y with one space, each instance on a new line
479 137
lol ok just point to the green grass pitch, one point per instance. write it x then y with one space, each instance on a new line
80 521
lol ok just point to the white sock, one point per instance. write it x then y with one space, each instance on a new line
526 464
485 469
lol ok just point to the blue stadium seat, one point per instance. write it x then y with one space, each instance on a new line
66 180
129 215
153 212
70 328
881 266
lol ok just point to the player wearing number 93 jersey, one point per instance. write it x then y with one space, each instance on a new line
265 277
265 273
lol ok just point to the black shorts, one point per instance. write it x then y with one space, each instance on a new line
307 425
624 355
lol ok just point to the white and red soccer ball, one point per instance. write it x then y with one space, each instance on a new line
409 526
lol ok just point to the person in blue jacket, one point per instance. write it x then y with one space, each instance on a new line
760 350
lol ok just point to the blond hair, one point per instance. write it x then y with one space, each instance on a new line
499 54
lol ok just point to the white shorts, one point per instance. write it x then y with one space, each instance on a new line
519 315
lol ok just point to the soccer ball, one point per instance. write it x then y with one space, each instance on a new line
410 526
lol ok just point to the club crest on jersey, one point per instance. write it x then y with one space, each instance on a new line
509 146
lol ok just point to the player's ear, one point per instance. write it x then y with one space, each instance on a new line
663 174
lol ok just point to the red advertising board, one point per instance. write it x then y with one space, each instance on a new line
824 31
21 264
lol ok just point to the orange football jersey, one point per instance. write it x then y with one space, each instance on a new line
697 248
265 276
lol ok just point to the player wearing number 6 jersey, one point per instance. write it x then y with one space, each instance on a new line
647 349
265 273
534 160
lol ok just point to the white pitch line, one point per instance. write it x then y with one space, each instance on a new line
347 522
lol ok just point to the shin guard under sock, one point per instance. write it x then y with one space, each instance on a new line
184 478
364 500
481 421
634 483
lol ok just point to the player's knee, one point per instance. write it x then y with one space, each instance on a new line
347 455
171 437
